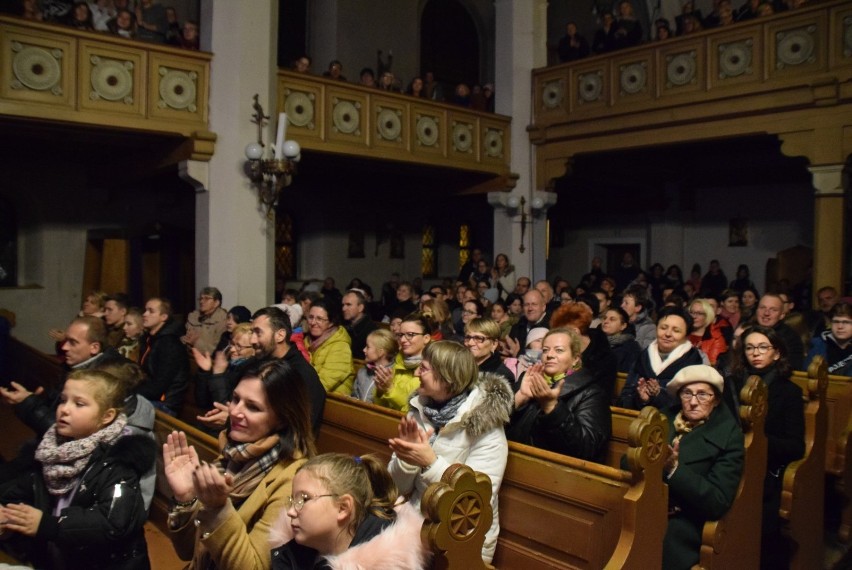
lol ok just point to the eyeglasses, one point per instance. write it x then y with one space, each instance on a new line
841 322
239 347
698 313
205 298
478 339
408 335
466 312
703 397
758 348
300 501
313 319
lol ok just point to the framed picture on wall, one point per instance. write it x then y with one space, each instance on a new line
738 232
356 244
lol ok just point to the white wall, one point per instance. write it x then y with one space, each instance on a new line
778 218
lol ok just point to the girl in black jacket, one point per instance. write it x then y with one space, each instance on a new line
81 506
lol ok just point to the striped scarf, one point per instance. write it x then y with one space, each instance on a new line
248 462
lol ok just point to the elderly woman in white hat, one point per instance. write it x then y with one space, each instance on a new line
705 462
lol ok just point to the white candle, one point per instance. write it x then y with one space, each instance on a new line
279 140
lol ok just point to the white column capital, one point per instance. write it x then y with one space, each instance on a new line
828 180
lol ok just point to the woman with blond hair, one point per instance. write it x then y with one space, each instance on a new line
704 336
457 416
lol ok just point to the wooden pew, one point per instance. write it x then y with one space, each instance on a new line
732 541
555 511
803 492
838 444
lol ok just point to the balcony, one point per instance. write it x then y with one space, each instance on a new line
347 119
789 72
56 73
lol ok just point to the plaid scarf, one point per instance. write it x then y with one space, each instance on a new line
63 460
248 462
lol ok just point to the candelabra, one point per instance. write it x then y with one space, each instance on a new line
517 205
271 175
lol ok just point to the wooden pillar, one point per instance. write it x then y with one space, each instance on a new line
829 226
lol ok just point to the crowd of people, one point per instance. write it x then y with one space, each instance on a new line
620 29
474 362
145 20
426 86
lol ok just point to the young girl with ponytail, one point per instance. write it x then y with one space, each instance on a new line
342 514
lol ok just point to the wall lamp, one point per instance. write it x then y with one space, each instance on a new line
517 205
271 175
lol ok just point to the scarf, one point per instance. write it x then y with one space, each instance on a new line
683 427
440 416
411 362
317 342
618 339
657 363
248 462
63 460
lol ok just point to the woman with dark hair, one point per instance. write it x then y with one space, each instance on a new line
503 275
330 347
658 363
222 511
80 17
616 325
235 316
457 416
762 352
674 277
415 88
743 280
748 304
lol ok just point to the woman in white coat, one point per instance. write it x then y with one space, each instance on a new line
457 416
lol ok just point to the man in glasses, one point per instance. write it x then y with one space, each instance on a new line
204 327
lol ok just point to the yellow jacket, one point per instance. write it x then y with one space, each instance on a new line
333 362
235 538
404 383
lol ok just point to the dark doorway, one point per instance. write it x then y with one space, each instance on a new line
615 254
449 44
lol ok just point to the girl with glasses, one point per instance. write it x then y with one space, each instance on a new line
342 515
760 351
705 461
394 385
457 416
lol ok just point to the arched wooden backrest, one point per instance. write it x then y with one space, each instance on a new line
732 541
803 491
458 514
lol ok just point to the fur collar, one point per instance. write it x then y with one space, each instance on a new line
139 452
492 403
397 547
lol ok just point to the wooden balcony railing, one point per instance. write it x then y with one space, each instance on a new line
343 118
50 72
794 60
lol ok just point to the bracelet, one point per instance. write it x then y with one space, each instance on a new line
184 504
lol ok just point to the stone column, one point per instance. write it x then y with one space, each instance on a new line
521 32
829 226
234 237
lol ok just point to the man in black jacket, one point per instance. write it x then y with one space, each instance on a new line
163 358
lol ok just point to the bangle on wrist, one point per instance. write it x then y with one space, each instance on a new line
184 504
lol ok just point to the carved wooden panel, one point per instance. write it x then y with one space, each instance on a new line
682 69
797 44
464 143
37 67
590 87
632 78
390 124
303 103
111 78
429 131
494 137
348 120
736 59
177 88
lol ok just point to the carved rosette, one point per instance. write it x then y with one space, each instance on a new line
795 47
427 130
590 87
648 439
755 400
111 80
346 116
299 107
177 89
389 124
634 78
493 143
462 137
847 36
680 69
735 59
36 68
552 94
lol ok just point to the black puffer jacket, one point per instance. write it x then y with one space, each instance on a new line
579 426
166 366
103 526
